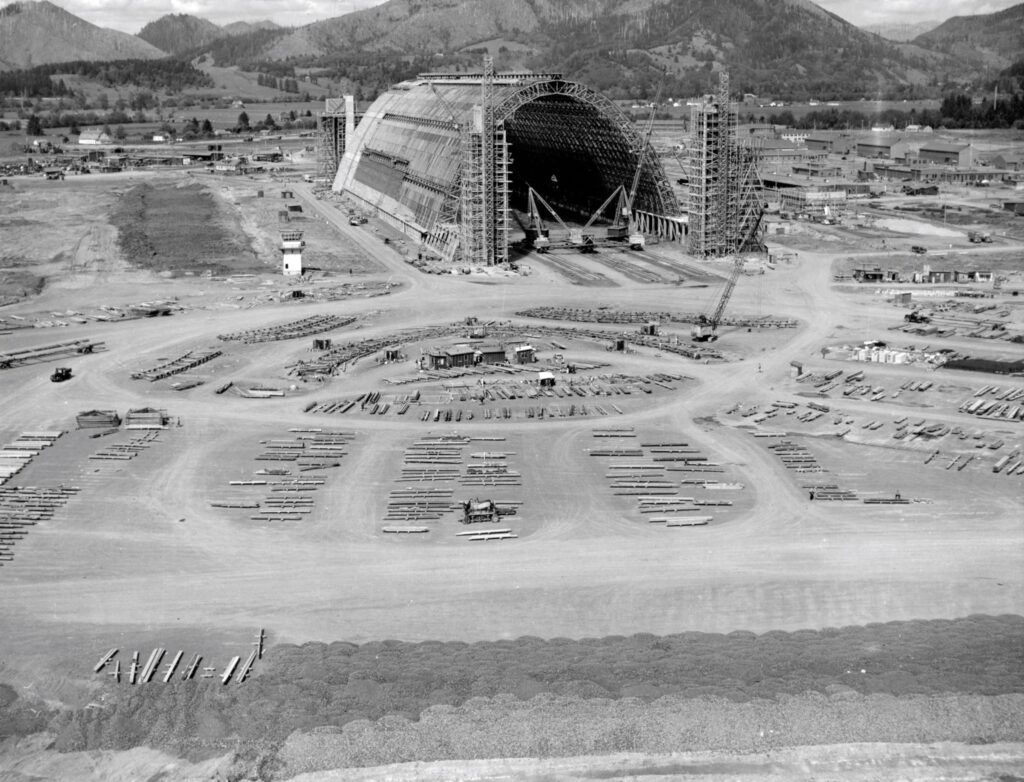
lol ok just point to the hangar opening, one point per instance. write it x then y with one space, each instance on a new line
449 159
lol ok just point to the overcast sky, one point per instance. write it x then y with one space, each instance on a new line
131 15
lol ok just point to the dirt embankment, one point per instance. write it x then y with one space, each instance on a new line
320 706
181 229
551 727
18 284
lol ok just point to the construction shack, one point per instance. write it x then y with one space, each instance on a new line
490 354
450 358
98 419
522 354
146 418
876 274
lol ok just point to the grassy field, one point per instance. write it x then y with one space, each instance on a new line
149 221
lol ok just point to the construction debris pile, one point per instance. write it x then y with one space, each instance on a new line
881 353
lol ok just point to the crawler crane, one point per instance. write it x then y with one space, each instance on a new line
706 329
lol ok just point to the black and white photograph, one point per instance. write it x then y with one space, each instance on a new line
511 391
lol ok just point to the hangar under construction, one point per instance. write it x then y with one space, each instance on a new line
453 160
450 160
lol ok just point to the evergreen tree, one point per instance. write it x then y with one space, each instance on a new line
34 127
243 121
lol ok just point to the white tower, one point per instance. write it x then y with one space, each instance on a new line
291 253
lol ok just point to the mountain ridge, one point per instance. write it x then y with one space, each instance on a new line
39 32
627 48
778 47
902 33
178 33
183 33
993 40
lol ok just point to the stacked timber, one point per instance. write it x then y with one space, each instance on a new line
180 364
18 453
305 327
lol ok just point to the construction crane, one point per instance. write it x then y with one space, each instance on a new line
636 239
536 233
706 328
620 227
577 239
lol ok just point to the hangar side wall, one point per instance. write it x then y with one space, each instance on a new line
405 156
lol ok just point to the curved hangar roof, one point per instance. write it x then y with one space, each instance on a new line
567 141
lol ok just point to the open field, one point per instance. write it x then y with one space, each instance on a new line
159 547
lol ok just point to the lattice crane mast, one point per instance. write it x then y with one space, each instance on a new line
621 223
576 238
536 233
636 239
706 328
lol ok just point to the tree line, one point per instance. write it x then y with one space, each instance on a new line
166 75
285 85
957 111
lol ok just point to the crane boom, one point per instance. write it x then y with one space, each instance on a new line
604 206
548 206
642 154
730 285
706 329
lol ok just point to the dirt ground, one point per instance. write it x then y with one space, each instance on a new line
881 762
874 762
140 555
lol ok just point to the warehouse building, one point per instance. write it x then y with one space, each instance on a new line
830 142
882 147
946 154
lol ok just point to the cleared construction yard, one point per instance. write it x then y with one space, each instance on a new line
661 488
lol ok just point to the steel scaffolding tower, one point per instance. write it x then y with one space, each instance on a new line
724 203
330 138
484 182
